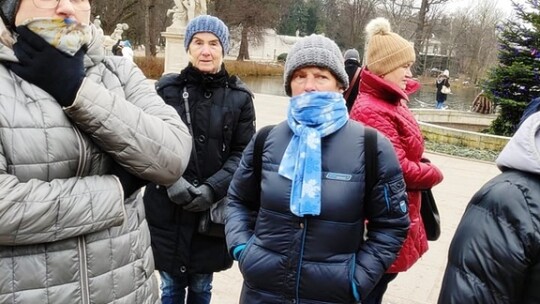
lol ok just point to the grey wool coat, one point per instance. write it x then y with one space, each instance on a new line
67 233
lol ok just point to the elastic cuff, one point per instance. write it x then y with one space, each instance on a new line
237 251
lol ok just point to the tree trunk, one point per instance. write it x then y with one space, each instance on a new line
147 25
419 36
243 53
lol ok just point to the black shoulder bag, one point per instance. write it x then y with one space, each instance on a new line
430 216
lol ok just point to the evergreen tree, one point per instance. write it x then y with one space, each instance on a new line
294 19
515 82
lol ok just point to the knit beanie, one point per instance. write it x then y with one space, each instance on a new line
351 54
8 10
317 51
386 51
208 24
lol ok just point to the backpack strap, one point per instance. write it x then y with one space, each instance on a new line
371 159
352 83
260 139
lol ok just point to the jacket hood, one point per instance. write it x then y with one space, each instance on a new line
94 54
522 152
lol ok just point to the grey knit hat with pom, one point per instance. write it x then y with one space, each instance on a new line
208 24
316 51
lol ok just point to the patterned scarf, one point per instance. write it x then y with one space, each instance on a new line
311 116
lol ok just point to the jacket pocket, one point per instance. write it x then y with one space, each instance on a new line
395 196
329 282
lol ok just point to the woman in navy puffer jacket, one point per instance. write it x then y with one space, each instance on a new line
305 241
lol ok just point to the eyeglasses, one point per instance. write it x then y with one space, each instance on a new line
79 5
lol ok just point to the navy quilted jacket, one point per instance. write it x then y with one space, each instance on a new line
325 258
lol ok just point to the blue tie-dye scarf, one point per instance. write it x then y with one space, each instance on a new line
311 116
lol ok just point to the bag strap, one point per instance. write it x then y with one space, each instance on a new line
260 139
371 159
352 83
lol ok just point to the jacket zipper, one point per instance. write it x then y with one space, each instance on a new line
81 240
85 291
303 225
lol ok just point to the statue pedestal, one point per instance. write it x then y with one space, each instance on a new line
176 57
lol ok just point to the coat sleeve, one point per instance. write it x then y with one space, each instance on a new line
387 221
241 211
242 134
141 132
37 212
417 174
493 248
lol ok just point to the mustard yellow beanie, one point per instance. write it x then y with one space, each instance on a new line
386 51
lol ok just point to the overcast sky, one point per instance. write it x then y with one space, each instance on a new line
506 5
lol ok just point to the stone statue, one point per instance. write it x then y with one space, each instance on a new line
190 7
118 31
179 15
111 40
185 10
97 23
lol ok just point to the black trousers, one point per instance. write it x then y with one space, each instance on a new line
376 295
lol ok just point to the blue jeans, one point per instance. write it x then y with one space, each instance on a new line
198 286
440 104
376 295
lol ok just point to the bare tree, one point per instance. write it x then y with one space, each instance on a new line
399 13
420 31
251 16
477 49
113 12
356 14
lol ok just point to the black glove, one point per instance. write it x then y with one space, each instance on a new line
54 71
182 192
130 183
203 201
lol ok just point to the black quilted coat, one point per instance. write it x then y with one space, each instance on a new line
223 119
494 257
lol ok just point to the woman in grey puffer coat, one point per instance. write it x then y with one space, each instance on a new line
73 139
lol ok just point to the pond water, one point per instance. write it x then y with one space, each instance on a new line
461 99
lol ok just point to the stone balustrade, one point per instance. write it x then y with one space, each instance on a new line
459 128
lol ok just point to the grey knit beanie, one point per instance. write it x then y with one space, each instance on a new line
351 54
8 11
317 51
208 24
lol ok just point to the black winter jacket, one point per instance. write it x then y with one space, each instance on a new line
316 259
223 121
494 257
351 66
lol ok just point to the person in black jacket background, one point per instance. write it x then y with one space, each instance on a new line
494 257
442 80
219 110
353 68
300 239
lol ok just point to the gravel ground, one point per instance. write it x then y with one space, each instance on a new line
484 155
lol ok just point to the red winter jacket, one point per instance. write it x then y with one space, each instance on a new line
383 106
